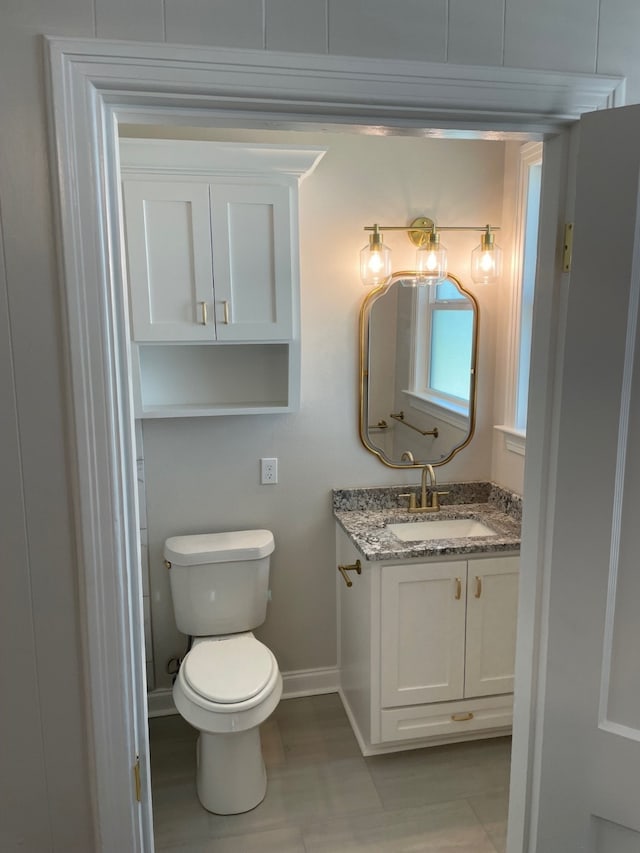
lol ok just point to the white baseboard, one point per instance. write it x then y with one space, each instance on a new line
310 682
160 702
301 682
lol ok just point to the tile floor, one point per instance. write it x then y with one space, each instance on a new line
324 797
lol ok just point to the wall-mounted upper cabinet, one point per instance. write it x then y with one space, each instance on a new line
211 233
210 261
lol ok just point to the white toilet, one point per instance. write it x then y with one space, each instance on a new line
228 682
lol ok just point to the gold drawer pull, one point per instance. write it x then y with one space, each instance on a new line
462 718
478 591
225 311
203 310
458 594
355 567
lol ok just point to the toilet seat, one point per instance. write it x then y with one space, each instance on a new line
229 671
213 716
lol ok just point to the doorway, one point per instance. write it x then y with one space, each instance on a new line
88 102
200 457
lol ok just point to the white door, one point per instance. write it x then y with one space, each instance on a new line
422 616
590 742
492 607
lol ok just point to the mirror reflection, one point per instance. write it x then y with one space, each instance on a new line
418 379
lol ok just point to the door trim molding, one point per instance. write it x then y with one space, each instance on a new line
94 84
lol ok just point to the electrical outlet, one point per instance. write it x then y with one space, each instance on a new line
268 471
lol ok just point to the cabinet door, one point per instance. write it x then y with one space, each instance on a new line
253 261
168 236
492 605
422 633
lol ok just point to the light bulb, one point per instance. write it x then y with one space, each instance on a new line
486 262
375 263
431 262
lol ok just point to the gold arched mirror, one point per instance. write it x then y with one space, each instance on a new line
418 351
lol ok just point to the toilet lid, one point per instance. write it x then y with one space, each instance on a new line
229 670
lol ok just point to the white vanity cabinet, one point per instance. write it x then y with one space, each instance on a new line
211 239
427 648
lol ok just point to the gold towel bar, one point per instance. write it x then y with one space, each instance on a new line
400 417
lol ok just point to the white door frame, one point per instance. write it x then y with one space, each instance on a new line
93 85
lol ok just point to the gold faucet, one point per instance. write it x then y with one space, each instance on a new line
429 496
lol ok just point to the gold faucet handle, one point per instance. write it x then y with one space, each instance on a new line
412 499
435 498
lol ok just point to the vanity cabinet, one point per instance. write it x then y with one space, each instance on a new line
211 238
427 648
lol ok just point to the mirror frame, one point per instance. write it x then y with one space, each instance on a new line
364 327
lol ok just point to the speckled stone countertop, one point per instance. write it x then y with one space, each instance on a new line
364 515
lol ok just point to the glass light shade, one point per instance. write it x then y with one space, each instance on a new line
431 260
375 261
486 261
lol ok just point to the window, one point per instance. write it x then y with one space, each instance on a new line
442 344
527 214
529 231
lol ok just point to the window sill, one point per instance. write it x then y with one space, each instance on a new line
515 440
457 418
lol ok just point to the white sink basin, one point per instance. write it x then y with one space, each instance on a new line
450 528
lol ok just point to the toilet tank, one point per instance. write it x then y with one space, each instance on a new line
219 581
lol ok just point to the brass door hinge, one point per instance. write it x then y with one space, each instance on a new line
136 779
567 248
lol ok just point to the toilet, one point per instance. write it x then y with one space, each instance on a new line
229 682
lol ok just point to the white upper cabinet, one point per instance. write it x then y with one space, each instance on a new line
211 236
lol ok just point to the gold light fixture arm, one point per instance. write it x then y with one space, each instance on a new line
422 225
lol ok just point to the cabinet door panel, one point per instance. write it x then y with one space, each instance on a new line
422 633
252 257
492 605
169 260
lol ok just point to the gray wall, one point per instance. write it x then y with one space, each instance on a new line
45 768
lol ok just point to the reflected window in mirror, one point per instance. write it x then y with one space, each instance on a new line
442 337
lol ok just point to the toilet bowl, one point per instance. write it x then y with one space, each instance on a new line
228 683
226 687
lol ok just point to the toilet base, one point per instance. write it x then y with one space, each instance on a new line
231 776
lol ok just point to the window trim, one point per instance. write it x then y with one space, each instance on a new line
530 155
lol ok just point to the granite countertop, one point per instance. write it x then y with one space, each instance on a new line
364 514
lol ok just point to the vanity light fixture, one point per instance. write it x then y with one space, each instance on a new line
431 255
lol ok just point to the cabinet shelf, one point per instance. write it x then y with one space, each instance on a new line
194 380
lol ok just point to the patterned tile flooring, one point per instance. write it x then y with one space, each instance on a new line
324 797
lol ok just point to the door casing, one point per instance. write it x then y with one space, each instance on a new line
94 85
